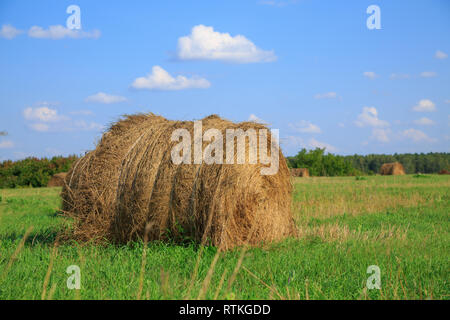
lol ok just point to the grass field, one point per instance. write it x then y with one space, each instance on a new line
399 223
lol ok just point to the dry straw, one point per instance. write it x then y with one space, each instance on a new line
394 168
129 182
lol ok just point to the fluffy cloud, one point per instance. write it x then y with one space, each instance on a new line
83 125
160 79
44 114
293 143
105 98
9 32
424 122
276 3
305 127
6 144
206 44
328 95
82 112
60 32
44 119
425 105
254 118
370 74
399 76
313 143
41 127
428 74
381 135
440 55
416 135
369 117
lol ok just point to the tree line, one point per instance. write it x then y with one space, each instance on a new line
34 172
321 164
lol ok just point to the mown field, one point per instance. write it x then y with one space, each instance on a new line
399 223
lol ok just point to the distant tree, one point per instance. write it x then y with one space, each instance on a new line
32 172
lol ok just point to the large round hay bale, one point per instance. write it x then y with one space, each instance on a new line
394 168
128 188
57 180
300 172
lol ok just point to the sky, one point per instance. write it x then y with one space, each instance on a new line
312 69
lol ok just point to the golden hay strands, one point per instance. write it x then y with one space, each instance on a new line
129 181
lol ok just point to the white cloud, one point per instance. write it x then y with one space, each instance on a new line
293 142
341 125
305 127
369 117
82 112
160 79
428 74
254 118
424 122
67 126
425 105
399 76
83 125
381 135
9 32
370 74
440 55
328 95
41 127
105 98
313 143
6 144
45 119
417 135
44 114
206 44
447 101
60 32
276 3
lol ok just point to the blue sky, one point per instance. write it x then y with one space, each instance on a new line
310 68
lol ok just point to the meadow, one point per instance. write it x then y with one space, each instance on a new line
345 224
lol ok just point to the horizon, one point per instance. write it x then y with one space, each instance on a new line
313 70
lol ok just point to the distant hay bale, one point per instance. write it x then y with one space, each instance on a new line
444 171
394 168
300 172
57 180
128 188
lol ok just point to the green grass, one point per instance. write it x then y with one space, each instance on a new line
400 224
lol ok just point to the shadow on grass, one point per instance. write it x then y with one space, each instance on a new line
42 235
46 237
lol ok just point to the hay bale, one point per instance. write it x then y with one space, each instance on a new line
57 180
444 171
128 188
394 168
300 172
